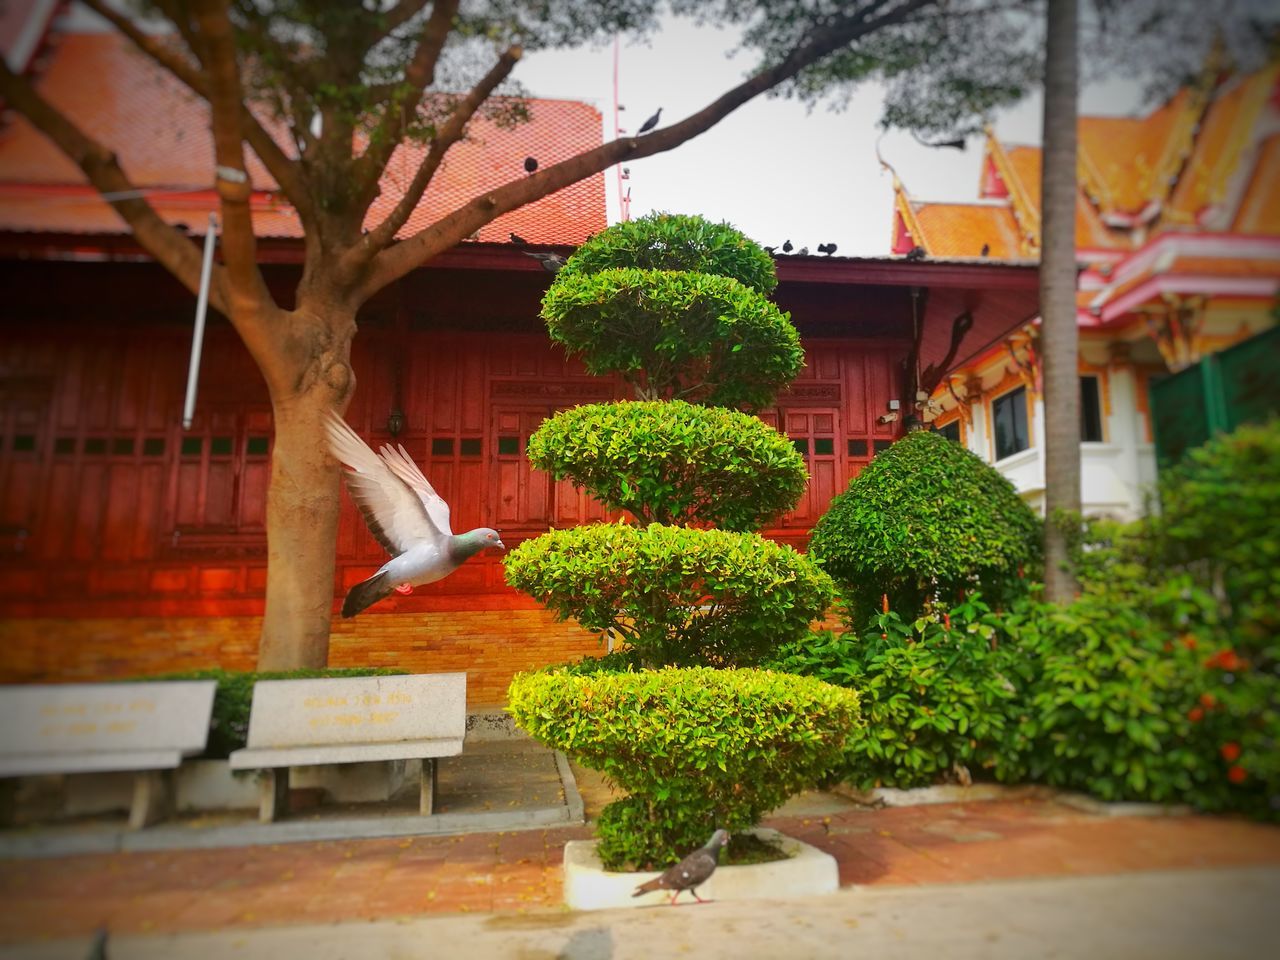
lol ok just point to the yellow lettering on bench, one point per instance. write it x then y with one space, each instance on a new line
74 710
399 698
386 717
348 719
82 728
120 726
49 710
370 699
319 721
145 706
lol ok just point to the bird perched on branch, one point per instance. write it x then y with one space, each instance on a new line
691 872
405 515
530 164
651 122
551 262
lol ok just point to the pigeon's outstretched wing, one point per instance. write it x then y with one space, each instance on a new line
395 512
402 466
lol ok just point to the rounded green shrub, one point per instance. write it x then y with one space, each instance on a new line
926 518
667 241
696 749
673 462
676 335
937 698
676 595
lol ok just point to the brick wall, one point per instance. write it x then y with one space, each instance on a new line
490 646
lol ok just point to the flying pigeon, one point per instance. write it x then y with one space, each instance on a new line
916 253
691 872
518 240
530 164
550 261
651 122
405 515
787 247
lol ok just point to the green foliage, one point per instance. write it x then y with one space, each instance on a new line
676 595
229 725
1115 701
675 335
935 694
926 518
1220 520
673 462
697 749
667 241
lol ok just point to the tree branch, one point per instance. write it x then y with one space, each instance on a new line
281 167
418 75
248 291
398 16
453 131
394 262
170 247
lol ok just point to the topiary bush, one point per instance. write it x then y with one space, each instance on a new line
696 749
936 695
673 462
927 518
676 595
229 723
675 335
669 241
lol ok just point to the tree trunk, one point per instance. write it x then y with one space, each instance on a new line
303 501
1060 335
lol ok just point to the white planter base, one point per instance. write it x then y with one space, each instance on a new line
807 871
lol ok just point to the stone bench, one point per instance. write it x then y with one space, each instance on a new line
144 728
299 723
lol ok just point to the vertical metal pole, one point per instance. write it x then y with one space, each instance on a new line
197 336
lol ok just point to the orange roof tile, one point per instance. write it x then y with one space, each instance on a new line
961 230
1128 159
161 133
1260 208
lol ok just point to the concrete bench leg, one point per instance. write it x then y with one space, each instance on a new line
273 794
152 798
427 801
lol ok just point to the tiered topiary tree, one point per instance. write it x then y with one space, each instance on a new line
927 519
678 307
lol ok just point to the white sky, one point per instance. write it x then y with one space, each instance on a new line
772 168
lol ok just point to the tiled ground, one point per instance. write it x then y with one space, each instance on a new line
518 872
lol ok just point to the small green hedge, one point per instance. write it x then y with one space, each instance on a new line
674 335
666 241
697 749
927 516
676 595
673 462
231 703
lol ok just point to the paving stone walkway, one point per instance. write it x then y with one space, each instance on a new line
520 872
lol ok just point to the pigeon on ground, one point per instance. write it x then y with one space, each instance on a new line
827 248
691 872
550 261
518 240
651 122
530 164
916 253
405 515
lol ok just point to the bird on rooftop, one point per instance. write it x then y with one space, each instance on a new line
827 248
916 253
518 240
770 250
405 515
986 249
691 872
530 164
786 246
651 122
802 252
551 262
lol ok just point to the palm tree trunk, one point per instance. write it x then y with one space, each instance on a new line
1059 335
